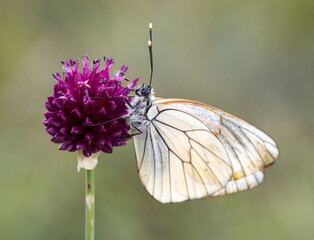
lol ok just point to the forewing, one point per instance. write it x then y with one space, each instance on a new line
249 149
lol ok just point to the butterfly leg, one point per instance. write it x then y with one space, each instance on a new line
97 124
124 98
129 89
134 134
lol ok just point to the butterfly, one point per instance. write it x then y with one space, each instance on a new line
189 150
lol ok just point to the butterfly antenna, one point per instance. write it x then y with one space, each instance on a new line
150 52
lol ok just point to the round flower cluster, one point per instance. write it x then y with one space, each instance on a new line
81 101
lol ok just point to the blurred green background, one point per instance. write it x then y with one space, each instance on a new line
251 58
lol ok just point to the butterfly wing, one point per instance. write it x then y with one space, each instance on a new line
192 150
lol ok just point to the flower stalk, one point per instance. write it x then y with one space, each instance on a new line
90 205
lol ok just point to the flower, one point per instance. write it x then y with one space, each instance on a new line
80 101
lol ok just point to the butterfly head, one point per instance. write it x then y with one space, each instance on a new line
143 91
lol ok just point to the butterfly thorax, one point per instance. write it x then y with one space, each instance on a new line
140 105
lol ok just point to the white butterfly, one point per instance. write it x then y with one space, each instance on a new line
189 150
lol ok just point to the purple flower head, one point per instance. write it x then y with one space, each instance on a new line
80 99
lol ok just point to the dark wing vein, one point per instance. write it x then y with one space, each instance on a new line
142 159
197 170
237 157
169 157
261 140
240 142
161 163
186 182
253 146
178 110
258 136
169 174
152 144
210 169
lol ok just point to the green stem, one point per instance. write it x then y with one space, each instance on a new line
90 205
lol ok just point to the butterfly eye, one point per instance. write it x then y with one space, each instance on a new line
145 91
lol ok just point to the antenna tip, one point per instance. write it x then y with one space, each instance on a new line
149 43
150 26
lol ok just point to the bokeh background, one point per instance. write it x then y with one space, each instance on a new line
251 58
